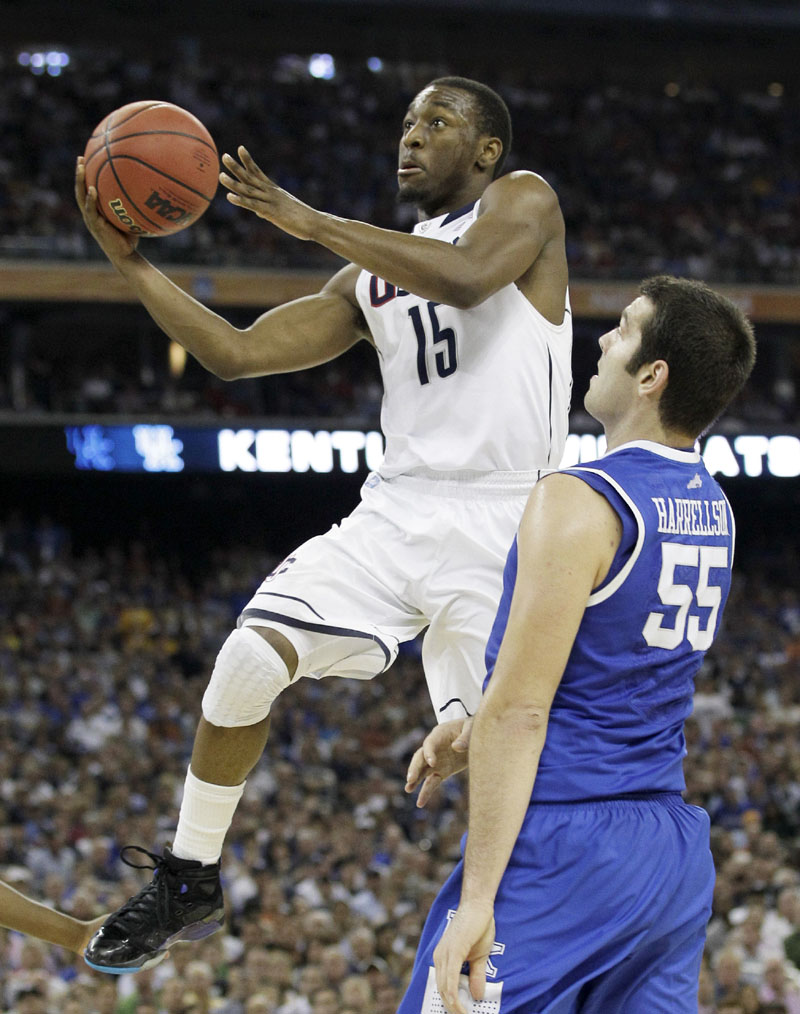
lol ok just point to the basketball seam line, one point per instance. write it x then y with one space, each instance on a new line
130 201
155 169
144 133
125 119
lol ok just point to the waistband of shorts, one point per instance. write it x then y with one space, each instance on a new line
668 798
464 484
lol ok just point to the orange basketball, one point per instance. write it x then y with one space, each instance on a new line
155 167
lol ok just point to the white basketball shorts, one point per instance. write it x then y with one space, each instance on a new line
416 553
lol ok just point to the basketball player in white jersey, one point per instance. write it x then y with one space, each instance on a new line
470 319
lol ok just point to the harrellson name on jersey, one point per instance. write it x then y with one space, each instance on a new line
678 516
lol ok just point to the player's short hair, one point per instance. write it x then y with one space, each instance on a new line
708 344
494 118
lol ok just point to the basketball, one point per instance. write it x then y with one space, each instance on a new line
155 167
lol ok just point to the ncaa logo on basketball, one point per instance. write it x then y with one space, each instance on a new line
123 216
165 209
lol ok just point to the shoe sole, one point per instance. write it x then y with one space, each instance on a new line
196 931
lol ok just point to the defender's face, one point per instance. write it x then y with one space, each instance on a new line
612 389
439 147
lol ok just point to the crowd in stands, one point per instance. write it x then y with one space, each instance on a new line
329 867
104 652
695 181
54 377
702 181
114 381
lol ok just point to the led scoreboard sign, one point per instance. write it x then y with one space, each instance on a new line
149 447
749 455
162 448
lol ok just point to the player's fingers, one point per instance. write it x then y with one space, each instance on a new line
436 745
429 786
249 204
248 195
87 201
249 162
237 172
241 202
416 769
447 983
454 1006
461 742
80 186
80 180
233 175
477 978
230 182
247 201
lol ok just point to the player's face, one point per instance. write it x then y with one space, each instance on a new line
612 389
439 149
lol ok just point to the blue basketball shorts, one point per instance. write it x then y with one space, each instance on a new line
602 910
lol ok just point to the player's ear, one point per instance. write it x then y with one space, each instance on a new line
653 377
490 152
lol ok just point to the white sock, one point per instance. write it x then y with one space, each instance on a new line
206 814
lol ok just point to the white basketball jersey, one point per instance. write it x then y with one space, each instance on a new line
485 389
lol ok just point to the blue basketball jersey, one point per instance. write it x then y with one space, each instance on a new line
616 723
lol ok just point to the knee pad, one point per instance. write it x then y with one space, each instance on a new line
248 675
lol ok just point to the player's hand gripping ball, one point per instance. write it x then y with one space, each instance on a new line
155 168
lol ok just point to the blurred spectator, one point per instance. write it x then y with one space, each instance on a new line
696 181
328 880
780 986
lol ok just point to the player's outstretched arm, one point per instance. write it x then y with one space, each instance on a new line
566 543
443 753
294 336
519 218
17 912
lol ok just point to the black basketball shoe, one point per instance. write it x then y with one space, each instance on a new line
182 902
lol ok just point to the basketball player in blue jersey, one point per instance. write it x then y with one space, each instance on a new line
470 310
586 881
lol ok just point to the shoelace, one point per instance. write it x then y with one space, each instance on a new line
139 910
158 861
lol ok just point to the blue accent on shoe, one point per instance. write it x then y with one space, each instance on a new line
183 902
111 971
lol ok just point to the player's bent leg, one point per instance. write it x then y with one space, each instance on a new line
227 756
248 675
184 900
253 666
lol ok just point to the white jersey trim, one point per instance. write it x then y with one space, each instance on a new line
673 453
619 579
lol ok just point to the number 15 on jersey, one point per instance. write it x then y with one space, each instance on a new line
442 339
